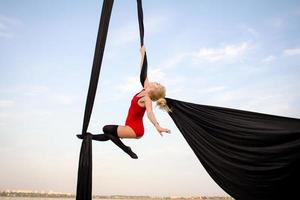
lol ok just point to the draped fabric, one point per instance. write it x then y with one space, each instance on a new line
250 155
84 177
144 69
97 62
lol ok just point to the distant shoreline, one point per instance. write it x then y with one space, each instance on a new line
35 194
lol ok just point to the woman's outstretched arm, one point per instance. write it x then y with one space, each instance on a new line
152 118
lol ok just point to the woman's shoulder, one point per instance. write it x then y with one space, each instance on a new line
141 93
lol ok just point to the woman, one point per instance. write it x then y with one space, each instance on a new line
134 128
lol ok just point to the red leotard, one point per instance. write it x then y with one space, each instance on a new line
135 116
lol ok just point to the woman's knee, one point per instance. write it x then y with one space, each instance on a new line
110 129
106 128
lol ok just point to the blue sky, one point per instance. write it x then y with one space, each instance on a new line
243 55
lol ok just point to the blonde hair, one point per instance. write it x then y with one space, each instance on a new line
159 95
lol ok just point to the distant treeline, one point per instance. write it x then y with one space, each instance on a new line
35 194
62 195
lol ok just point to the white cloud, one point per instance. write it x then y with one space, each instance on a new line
130 31
6 26
6 103
268 59
64 99
269 99
277 22
291 52
230 52
176 84
45 94
125 34
36 90
249 30
4 30
132 83
129 85
252 31
157 74
174 60
155 24
213 89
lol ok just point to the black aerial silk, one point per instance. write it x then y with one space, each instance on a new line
252 156
84 177
143 74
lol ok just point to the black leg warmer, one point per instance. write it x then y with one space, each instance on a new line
100 137
111 131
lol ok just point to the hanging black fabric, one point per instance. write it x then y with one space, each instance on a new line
98 56
144 69
250 155
84 178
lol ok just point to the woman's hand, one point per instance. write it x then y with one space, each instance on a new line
142 49
161 130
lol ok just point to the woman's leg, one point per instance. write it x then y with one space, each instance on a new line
100 137
122 132
126 132
112 132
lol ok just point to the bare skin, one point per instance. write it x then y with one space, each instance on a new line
144 101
